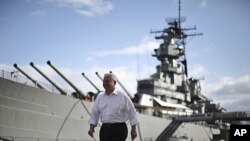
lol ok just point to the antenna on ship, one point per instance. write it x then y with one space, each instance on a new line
184 36
184 62
179 12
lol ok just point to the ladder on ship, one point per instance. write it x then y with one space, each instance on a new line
169 130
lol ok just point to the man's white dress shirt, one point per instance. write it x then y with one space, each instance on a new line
114 108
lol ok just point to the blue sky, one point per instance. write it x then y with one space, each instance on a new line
88 36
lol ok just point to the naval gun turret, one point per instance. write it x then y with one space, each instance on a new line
98 75
79 94
47 78
30 78
98 90
122 86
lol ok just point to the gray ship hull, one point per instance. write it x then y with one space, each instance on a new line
29 113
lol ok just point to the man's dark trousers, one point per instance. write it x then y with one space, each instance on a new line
113 132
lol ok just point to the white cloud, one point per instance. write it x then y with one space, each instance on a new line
4 67
198 71
85 7
232 92
230 85
145 46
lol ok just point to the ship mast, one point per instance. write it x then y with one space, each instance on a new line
179 12
173 47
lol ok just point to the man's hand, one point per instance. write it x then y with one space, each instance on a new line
91 130
133 132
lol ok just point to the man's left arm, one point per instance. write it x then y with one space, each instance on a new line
132 118
133 132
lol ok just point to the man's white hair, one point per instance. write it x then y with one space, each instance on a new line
111 75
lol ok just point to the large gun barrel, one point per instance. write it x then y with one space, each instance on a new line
30 78
99 76
70 83
126 91
98 90
53 83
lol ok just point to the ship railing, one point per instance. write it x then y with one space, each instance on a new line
17 77
177 113
201 123
9 138
169 115
8 75
227 116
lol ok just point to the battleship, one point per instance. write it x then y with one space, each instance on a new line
170 105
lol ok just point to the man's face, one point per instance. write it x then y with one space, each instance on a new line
108 83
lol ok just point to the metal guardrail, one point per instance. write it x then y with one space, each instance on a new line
227 116
17 77
14 76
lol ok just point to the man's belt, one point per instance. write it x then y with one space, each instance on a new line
114 124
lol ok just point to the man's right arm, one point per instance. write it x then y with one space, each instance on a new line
94 118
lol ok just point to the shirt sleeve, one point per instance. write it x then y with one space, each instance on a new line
94 115
133 119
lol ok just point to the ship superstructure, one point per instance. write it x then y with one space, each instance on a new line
170 88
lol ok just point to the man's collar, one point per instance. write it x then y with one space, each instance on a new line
114 92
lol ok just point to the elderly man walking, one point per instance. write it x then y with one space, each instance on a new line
114 108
